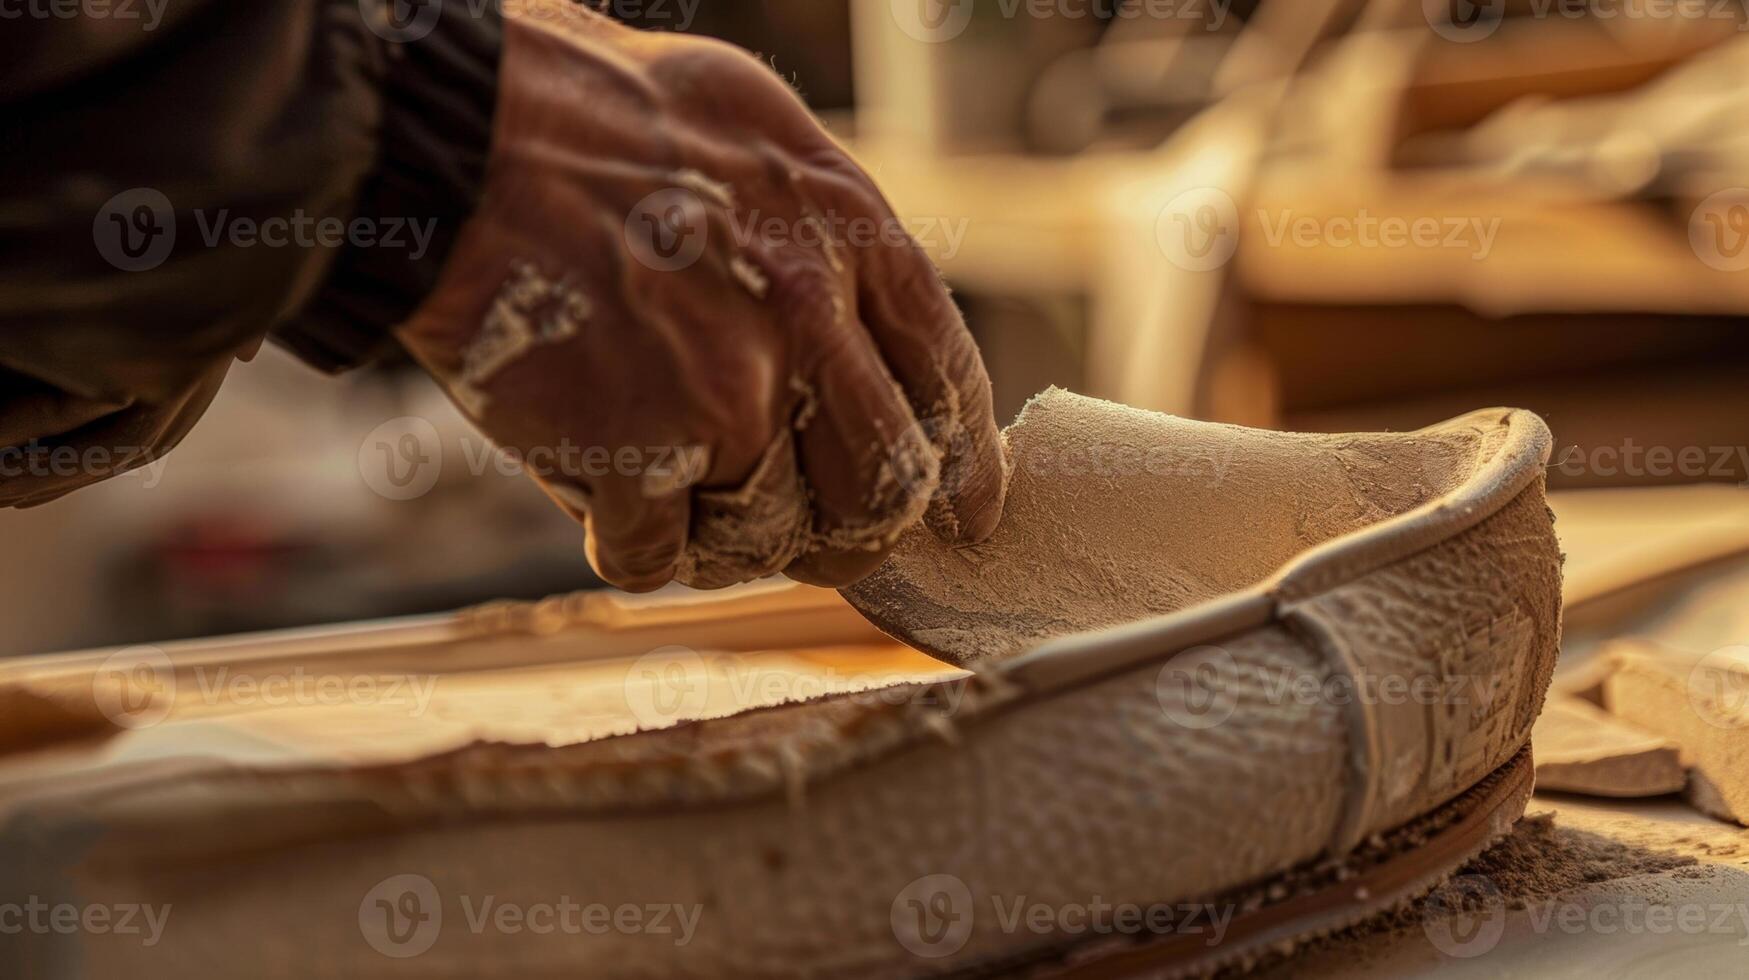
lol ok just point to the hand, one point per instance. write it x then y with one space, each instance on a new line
693 316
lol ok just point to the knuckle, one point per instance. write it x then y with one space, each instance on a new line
710 63
809 292
832 176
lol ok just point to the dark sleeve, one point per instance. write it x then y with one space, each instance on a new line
189 177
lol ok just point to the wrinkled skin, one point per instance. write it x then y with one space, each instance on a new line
821 385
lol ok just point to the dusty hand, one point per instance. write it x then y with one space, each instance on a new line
693 316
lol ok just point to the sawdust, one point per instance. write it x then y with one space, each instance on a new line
715 191
769 521
751 531
529 310
1538 862
750 277
1115 514
1542 859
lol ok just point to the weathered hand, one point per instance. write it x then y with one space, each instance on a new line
681 295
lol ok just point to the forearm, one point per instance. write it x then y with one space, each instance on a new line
274 167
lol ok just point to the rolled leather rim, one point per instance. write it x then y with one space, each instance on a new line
1084 658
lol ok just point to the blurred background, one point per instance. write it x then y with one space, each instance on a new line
1309 214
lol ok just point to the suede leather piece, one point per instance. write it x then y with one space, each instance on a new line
799 830
1116 514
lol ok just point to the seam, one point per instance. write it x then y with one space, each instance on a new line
1365 741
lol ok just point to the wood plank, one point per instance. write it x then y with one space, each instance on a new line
1580 748
1700 703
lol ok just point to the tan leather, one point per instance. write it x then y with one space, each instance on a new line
810 836
1323 517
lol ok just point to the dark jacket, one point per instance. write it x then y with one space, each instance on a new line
184 178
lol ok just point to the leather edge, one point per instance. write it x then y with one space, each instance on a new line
1490 486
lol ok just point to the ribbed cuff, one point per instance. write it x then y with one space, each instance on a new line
439 87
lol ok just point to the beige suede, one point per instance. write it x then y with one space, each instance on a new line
1066 773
